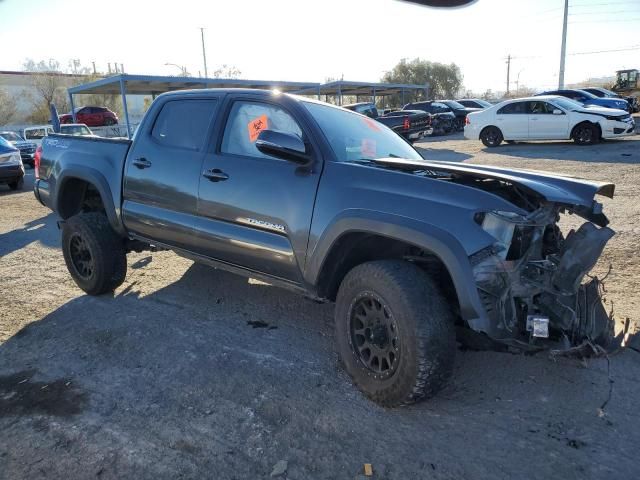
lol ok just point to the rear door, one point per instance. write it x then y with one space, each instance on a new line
160 192
513 121
543 124
256 209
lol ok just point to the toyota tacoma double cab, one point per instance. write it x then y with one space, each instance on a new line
336 206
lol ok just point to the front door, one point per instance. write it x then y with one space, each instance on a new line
513 121
544 125
256 209
160 193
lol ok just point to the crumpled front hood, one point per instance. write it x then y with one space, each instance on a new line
562 189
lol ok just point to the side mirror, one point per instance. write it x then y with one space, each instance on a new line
557 111
283 145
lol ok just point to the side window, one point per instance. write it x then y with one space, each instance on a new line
541 108
83 111
247 120
184 123
513 108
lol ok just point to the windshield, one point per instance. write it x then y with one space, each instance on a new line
453 104
567 103
11 136
76 130
355 137
588 94
484 103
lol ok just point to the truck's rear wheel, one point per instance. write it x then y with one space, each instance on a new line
395 332
94 254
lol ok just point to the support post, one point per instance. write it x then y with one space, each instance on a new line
339 95
374 95
73 108
320 94
563 50
123 94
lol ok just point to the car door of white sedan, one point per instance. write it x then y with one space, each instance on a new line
513 121
544 124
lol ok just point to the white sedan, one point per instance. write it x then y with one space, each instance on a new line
547 118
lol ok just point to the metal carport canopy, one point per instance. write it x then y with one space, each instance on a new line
345 87
124 84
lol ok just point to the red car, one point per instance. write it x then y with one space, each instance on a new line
91 116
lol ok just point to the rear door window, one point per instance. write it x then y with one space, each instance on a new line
184 123
513 108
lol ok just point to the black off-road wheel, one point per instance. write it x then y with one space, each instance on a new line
94 253
394 332
586 134
491 137
17 184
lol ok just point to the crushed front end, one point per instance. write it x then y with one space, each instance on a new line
530 280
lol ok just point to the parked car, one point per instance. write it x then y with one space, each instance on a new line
604 93
589 99
37 133
475 103
91 116
11 167
460 111
317 199
410 125
549 117
27 149
76 129
443 120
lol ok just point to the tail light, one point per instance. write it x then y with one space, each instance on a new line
405 124
36 162
467 121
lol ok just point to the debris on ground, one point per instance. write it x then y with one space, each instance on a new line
279 468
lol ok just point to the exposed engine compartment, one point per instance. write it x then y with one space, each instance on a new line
530 280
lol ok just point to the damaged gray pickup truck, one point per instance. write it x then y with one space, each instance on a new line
336 206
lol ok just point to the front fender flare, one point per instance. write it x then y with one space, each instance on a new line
423 235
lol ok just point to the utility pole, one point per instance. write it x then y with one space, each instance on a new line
204 54
508 72
563 51
94 68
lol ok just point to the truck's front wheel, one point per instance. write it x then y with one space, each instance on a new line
395 332
94 254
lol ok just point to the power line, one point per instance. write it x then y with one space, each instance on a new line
598 13
636 19
634 47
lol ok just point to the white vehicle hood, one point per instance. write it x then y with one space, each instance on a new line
603 111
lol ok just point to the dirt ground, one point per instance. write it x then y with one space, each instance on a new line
169 378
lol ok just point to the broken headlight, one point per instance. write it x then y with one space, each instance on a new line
500 225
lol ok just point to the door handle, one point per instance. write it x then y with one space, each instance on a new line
215 175
142 163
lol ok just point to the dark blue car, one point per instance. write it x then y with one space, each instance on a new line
587 98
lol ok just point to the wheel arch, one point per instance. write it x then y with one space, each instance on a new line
588 122
78 185
352 241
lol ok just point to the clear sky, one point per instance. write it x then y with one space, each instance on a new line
310 41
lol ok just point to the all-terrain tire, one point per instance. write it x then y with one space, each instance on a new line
491 137
94 253
17 185
423 328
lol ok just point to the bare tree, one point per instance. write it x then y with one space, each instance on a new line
227 71
8 107
48 87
